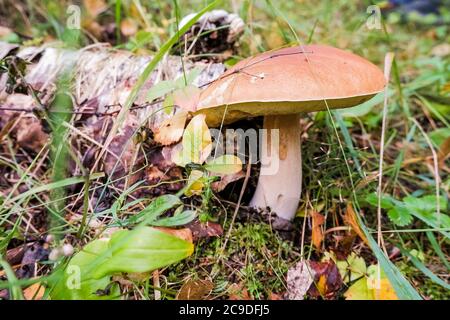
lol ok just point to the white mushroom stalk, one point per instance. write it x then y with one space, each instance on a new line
280 190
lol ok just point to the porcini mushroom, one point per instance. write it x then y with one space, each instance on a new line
281 85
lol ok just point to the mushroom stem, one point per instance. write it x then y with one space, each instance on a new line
280 181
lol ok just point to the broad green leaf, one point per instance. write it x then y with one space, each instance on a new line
156 208
164 87
141 250
177 220
400 216
352 268
372 199
168 104
226 164
358 291
160 89
74 283
369 287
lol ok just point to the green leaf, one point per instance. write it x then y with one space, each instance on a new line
141 250
359 291
427 272
156 208
89 272
352 268
74 283
15 289
400 216
226 164
438 136
386 202
195 183
177 220
160 89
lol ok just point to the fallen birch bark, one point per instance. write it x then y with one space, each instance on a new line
102 80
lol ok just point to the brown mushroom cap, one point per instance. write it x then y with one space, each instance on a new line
289 81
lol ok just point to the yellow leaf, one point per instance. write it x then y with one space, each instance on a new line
359 291
322 285
369 287
195 183
226 164
385 291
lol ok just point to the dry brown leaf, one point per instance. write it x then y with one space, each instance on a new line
238 292
220 185
317 233
195 290
444 152
30 134
275 296
34 292
171 130
128 27
184 234
327 279
350 220
204 230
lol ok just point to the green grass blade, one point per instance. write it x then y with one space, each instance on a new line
403 289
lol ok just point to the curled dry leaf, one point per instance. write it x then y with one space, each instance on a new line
299 280
238 292
351 220
30 134
34 292
171 130
220 185
195 290
128 27
95 7
317 234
